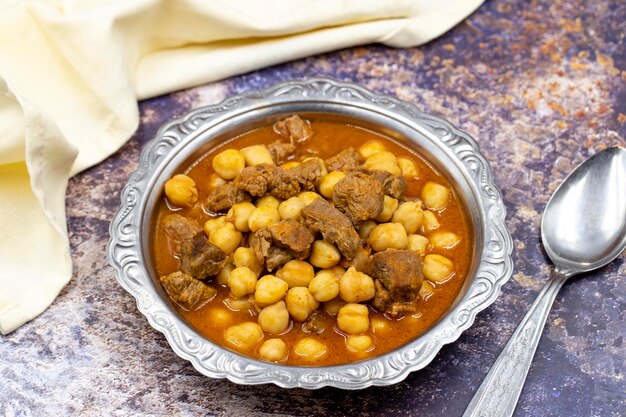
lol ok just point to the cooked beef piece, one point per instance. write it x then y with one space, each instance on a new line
281 152
398 279
281 183
200 258
314 324
360 261
289 234
256 180
359 196
346 160
187 291
394 186
179 228
260 242
225 196
294 128
274 257
277 257
336 227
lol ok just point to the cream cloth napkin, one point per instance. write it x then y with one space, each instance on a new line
71 73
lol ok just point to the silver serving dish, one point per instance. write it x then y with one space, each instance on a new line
181 141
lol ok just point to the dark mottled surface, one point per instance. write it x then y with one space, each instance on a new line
541 85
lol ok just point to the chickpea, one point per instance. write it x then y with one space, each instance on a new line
430 221
300 303
408 167
338 270
290 164
239 214
262 218
269 201
290 208
296 273
427 289
333 306
384 161
417 243
387 235
256 155
274 350
389 207
222 277
353 318
359 343
410 215
366 228
370 148
242 281
310 348
212 224
435 195
270 290
444 240
216 181
324 254
307 197
246 257
228 164
244 336
324 169
274 319
437 268
181 191
378 325
328 182
355 286
220 316
226 237
324 286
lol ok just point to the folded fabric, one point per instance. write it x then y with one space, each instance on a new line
71 73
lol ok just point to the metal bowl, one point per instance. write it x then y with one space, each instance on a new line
180 142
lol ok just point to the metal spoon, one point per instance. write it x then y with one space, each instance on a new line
583 228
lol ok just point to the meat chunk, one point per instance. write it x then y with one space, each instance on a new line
346 160
281 151
360 261
314 324
294 128
187 291
394 185
359 196
276 258
280 243
266 252
335 227
398 279
281 183
225 196
290 234
200 258
179 228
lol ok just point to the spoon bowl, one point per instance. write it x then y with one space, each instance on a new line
584 224
583 228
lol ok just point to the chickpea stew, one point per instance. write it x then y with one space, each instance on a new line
311 243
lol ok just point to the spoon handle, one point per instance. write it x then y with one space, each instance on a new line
501 388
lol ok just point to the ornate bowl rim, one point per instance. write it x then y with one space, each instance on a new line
126 250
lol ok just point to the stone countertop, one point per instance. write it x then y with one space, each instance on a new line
541 85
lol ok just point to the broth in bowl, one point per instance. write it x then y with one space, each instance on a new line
311 243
